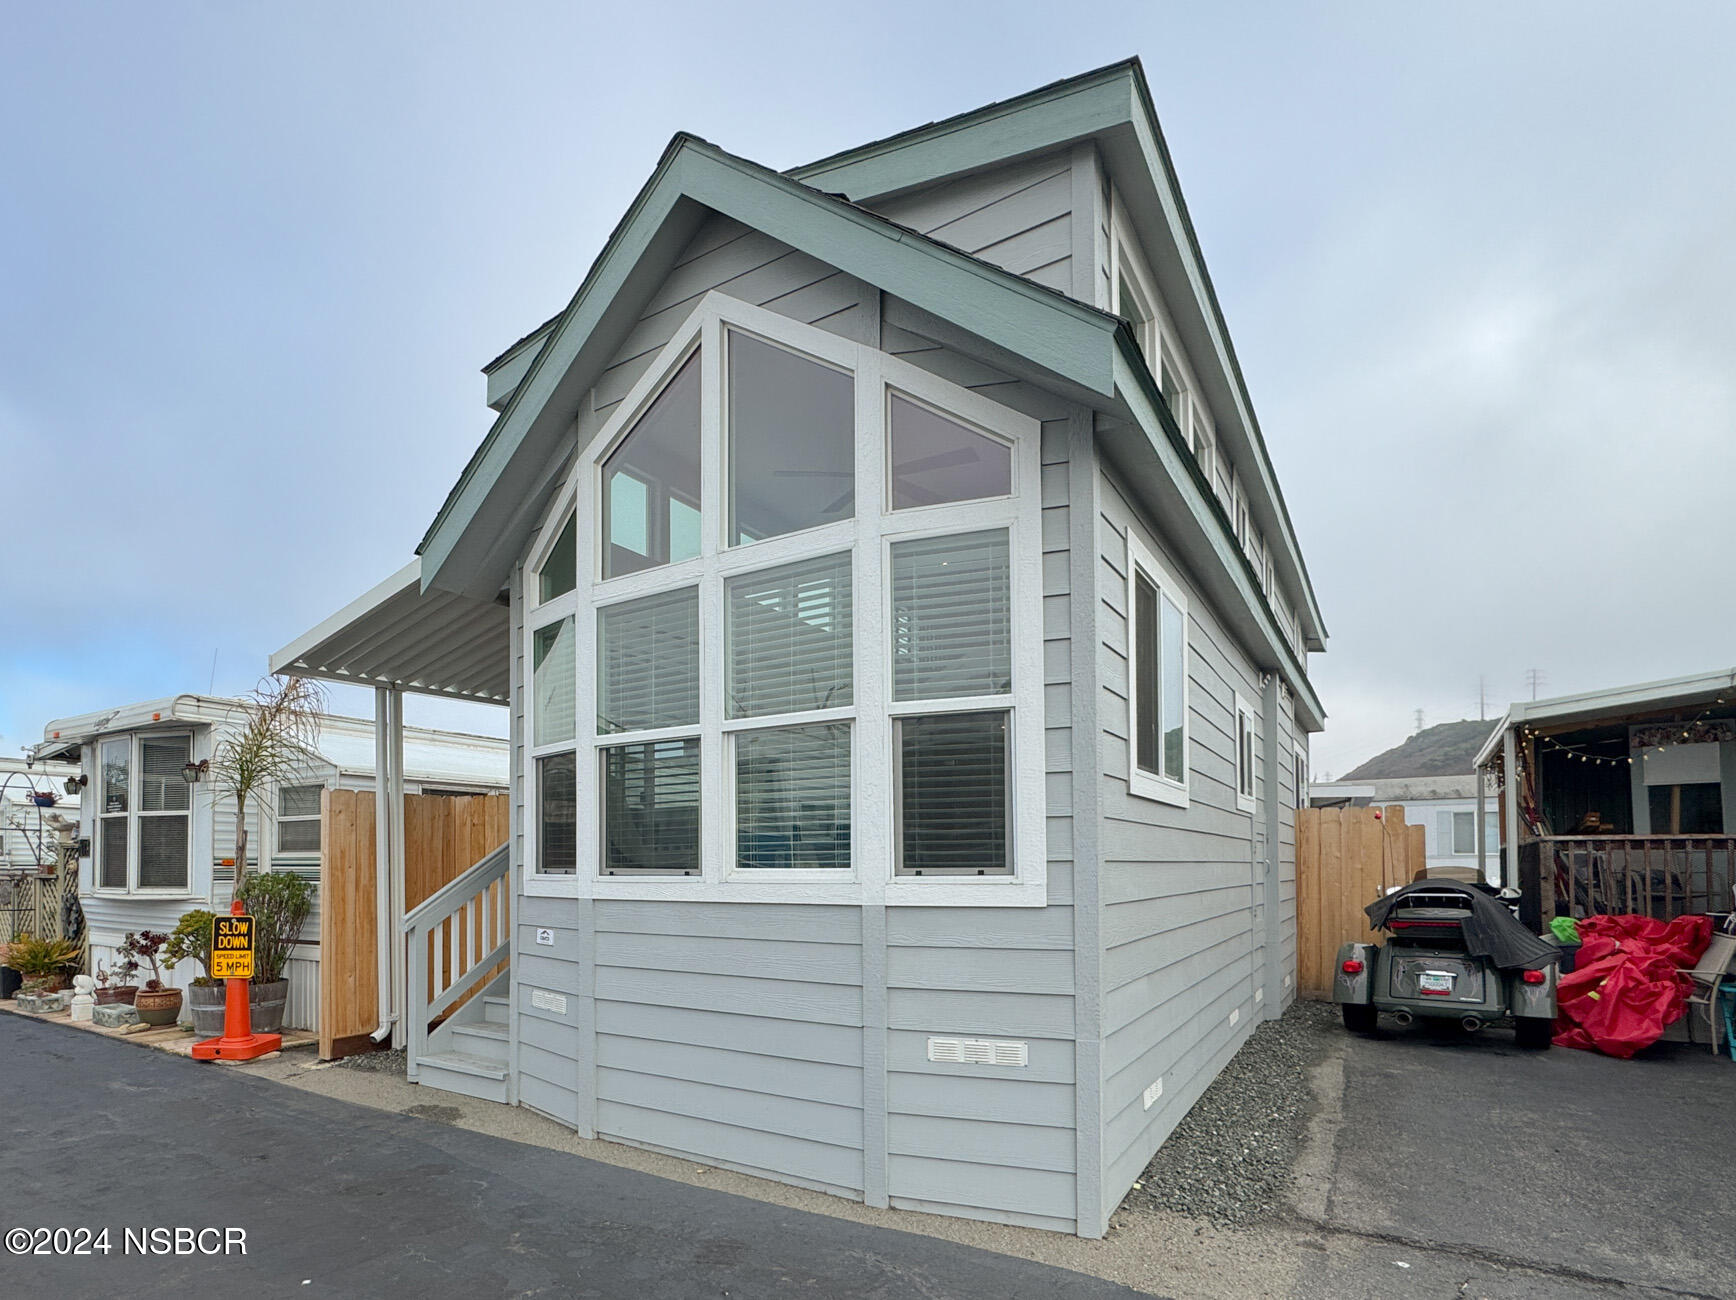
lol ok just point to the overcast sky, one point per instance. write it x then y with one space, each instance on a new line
1479 263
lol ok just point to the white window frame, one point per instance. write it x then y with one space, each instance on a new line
536 617
868 537
135 839
1203 438
278 819
1245 778
1299 774
1454 848
1144 784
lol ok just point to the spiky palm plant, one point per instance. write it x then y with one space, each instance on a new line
279 728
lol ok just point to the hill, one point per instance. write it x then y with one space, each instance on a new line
1445 749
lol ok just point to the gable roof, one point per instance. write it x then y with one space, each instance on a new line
1070 347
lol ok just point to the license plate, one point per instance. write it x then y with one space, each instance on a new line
1436 982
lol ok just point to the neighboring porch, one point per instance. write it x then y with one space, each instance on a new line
1621 801
450 914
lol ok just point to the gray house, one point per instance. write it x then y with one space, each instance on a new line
906 646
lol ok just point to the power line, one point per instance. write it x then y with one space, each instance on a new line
1534 678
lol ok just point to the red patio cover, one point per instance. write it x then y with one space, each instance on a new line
1629 982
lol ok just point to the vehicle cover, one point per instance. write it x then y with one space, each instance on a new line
1629 983
1490 928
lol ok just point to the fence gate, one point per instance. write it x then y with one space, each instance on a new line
444 836
1345 859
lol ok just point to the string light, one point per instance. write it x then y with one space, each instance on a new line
1580 755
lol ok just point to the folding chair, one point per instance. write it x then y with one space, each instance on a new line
1710 978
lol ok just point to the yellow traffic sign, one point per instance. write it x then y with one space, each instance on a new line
232 948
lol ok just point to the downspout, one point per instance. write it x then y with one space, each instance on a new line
382 867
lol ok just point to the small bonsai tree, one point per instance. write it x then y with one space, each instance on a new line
278 729
279 902
121 975
144 950
191 940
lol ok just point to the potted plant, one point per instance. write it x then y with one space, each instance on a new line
155 1003
279 902
191 940
115 983
44 963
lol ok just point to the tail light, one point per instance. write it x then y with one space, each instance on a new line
1534 977
1351 967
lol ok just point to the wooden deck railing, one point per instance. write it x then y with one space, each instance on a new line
1661 876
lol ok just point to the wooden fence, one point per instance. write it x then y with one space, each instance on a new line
444 836
1345 859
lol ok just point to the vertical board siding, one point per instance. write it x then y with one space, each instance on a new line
1019 217
1180 944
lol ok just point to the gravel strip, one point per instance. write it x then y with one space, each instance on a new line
392 1062
1231 1158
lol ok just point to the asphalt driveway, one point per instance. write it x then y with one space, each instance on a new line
1468 1167
342 1200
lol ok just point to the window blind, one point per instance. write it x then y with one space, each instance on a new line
952 790
298 801
651 808
792 797
951 617
162 788
162 852
789 639
648 663
113 848
557 814
552 658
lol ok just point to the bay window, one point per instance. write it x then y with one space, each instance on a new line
817 664
144 823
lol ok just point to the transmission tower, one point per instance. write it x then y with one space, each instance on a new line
1534 678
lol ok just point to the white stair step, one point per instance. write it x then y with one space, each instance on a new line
480 1039
494 1010
463 1063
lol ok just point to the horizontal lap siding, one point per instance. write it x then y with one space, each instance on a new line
746 264
1019 217
733 1033
995 1142
1177 884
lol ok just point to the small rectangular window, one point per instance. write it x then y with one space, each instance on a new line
789 636
1464 832
555 676
953 797
648 663
952 632
298 819
1300 778
792 798
164 818
1245 756
557 815
651 808
112 836
1157 679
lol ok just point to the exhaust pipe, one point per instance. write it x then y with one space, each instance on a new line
1471 1024
1402 1019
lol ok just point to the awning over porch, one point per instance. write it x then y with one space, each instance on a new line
397 635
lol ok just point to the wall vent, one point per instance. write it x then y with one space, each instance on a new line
543 1000
979 1051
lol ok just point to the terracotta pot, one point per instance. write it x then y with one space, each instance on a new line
158 1006
120 993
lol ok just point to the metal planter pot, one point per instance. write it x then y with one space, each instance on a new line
205 1005
266 1003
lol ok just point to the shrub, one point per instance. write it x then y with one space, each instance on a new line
191 940
279 902
36 958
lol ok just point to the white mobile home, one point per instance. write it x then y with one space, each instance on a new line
906 643
162 842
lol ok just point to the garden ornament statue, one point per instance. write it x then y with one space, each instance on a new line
84 997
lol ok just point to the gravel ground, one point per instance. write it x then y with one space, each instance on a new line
393 1062
1231 1158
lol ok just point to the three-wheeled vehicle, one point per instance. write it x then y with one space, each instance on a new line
1453 952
